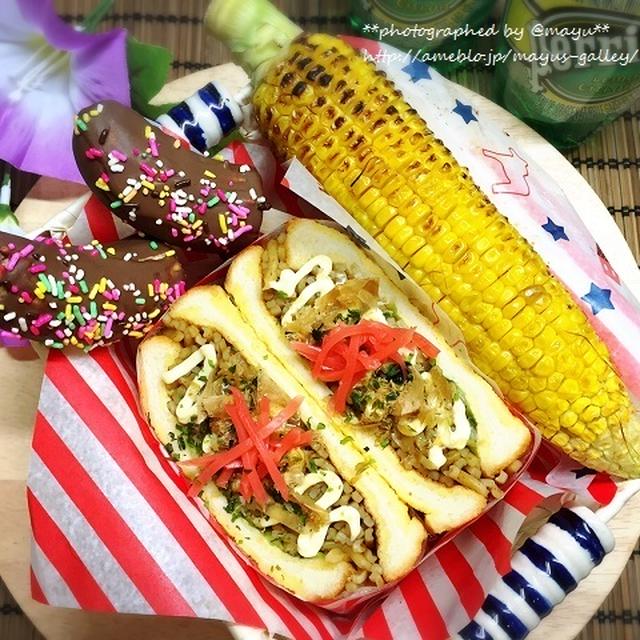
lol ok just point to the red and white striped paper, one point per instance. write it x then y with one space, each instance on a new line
113 529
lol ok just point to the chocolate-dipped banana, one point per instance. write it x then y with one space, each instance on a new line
88 295
159 186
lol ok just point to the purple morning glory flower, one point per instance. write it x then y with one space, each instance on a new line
51 70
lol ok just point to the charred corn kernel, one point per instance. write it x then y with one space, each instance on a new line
345 121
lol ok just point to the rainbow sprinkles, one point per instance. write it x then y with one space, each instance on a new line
85 296
156 183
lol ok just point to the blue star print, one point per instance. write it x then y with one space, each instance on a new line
417 71
464 111
598 298
556 231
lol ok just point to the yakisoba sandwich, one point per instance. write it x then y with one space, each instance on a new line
299 500
321 412
433 428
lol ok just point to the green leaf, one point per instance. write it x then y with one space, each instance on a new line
95 17
148 72
8 220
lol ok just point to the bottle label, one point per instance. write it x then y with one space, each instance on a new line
574 54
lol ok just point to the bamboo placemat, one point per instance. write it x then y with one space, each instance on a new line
609 161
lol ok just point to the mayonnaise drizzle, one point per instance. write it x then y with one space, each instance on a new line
376 314
458 438
289 280
311 539
187 407
183 368
436 456
411 427
448 438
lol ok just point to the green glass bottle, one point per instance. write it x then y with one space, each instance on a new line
568 66
395 22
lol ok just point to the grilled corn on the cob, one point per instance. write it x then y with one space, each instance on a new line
317 99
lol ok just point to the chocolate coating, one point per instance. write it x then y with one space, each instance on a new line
86 295
155 183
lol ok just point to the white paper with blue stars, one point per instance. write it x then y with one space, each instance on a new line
528 196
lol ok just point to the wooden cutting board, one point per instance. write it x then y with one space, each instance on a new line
21 374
